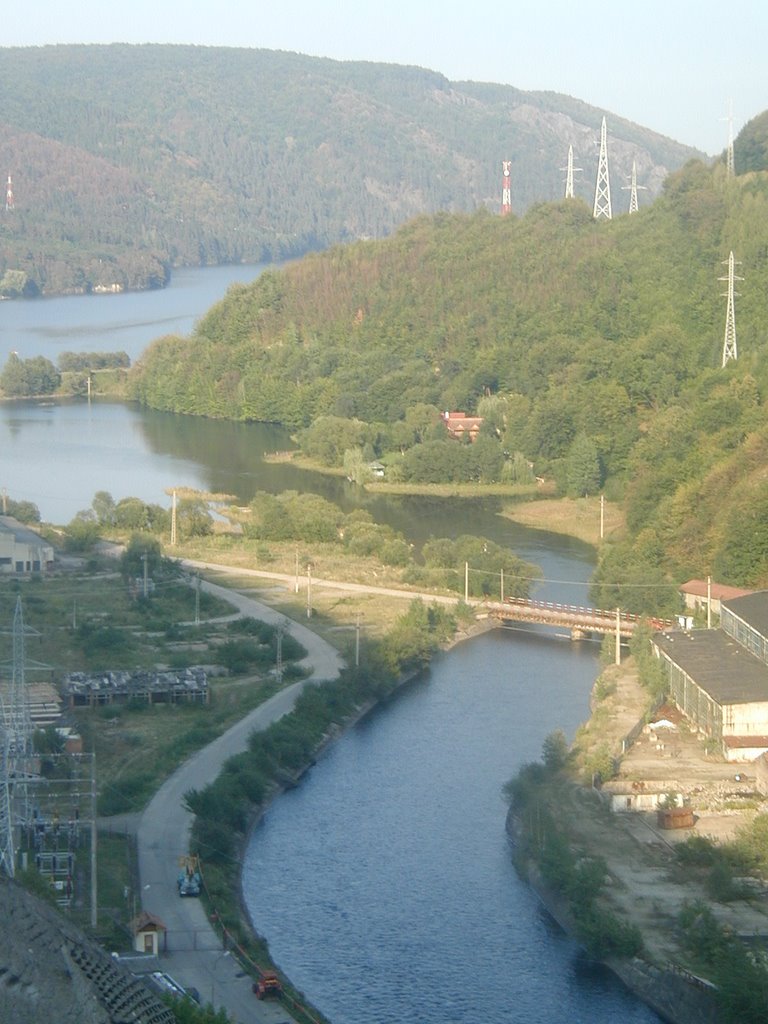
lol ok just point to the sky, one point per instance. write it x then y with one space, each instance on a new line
678 67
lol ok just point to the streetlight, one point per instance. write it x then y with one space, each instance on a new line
221 956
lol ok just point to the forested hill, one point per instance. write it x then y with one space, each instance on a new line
126 160
592 349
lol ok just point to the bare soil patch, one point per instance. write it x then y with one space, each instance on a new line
647 886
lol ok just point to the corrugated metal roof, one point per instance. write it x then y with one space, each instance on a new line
719 665
752 609
22 533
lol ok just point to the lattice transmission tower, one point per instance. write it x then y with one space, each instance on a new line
16 757
602 207
729 342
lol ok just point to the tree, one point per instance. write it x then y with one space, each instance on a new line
583 467
13 379
103 505
356 468
82 532
140 548
193 518
555 751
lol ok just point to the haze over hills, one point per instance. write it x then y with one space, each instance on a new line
127 160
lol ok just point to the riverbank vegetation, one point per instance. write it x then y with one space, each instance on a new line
687 903
74 374
276 757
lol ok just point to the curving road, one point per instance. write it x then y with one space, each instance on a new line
195 956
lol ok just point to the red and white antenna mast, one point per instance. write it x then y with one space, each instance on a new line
9 193
506 189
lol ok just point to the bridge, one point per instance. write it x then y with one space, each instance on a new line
579 620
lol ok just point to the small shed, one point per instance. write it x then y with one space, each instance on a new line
149 933
696 594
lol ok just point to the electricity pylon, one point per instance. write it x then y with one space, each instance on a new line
602 207
16 753
729 342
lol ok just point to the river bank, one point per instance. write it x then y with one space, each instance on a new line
643 885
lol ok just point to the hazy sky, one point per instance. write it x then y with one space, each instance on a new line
672 65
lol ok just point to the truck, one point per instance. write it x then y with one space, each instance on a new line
189 881
267 985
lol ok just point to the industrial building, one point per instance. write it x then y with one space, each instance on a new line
719 677
21 549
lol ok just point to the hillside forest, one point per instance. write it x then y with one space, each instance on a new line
591 349
126 161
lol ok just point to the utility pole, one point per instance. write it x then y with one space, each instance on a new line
569 174
729 341
309 590
296 587
602 207
357 641
602 516
94 864
466 582
197 599
506 188
9 204
709 602
501 585
146 575
730 165
618 636
279 653
173 520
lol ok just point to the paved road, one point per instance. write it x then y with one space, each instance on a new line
195 956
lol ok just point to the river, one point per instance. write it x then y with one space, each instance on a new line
384 883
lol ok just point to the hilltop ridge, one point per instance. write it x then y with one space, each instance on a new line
129 160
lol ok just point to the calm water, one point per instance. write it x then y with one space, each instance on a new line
384 883
115 323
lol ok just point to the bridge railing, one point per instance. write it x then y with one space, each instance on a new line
587 612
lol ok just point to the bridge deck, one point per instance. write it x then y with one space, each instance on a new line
568 616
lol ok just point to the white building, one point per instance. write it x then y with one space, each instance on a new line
21 549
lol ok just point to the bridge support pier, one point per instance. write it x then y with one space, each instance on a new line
577 633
